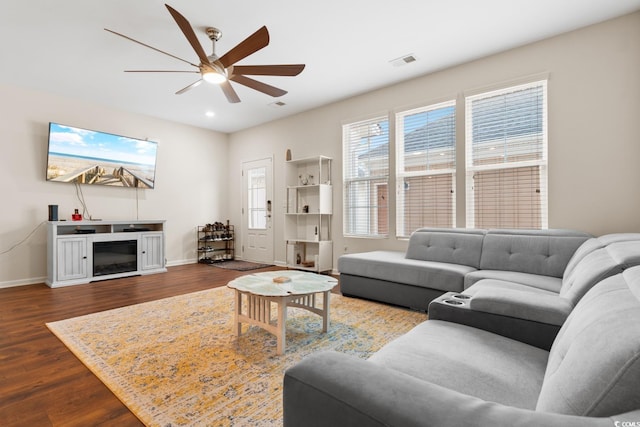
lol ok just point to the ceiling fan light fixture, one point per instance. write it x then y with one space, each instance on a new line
214 77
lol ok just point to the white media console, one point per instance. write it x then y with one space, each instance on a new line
85 251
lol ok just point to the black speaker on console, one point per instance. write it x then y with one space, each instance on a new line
53 212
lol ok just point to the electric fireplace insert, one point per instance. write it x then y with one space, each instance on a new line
120 256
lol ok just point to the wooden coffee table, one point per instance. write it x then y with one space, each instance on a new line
285 288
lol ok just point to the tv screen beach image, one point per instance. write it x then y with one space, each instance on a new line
90 157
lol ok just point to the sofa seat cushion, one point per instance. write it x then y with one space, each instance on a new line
546 283
392 266
534 306
469 360
500 285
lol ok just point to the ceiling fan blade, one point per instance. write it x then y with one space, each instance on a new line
251 44
187 30
159 71
259 86
229 92
150 47
191 86
268 70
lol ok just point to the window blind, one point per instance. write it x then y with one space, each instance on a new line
366 178
506 158
425 168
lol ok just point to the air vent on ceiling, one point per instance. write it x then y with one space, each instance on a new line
403 60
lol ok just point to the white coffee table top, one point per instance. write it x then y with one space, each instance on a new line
301 283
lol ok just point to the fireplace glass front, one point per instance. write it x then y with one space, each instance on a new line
113 257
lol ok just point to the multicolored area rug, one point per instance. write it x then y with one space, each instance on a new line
176 362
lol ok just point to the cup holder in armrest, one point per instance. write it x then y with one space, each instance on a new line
454 300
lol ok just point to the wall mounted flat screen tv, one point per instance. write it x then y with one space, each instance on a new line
85 156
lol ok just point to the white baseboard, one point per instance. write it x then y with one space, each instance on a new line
22 282
181 262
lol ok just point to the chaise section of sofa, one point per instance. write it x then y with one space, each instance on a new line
436 262
446 374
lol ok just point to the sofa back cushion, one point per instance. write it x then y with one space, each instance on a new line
594 363
589 246
598 265
596 243
450 245
544 252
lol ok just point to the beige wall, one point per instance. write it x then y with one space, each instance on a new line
594 129
190 179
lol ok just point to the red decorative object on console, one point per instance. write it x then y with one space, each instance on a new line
76 216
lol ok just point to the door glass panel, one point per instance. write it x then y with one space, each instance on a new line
257 203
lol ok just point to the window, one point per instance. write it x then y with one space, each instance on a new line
425 168
256 198
366 178
506 158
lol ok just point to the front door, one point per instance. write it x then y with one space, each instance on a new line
257 209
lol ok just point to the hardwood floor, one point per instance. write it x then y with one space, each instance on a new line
41 381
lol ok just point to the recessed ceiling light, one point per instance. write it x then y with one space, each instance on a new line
277 104
209 114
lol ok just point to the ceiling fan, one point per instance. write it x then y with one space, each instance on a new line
221 70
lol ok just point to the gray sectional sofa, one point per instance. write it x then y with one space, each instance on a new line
451 260
537 328
446 374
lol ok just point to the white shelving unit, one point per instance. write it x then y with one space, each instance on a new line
84 251
308 214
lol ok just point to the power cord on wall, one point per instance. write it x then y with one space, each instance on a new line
85 210
23 240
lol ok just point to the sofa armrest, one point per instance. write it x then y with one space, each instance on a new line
334 389
543 308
